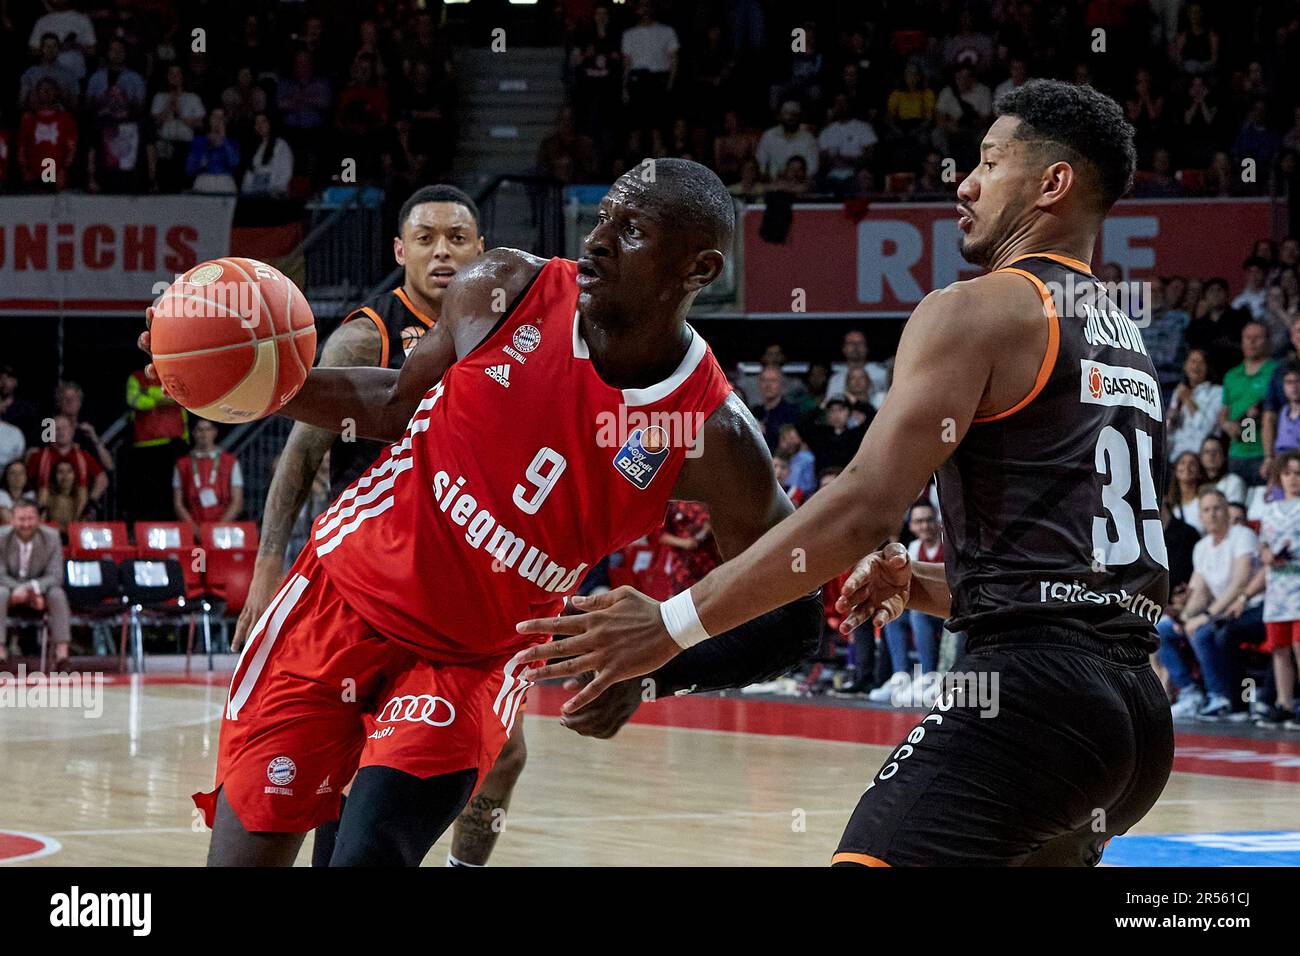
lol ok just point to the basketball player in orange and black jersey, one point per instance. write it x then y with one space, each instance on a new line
1030 392
438 234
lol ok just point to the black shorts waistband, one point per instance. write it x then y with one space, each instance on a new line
1121 651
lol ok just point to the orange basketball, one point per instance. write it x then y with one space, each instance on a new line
233 339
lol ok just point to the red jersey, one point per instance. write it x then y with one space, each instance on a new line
520 470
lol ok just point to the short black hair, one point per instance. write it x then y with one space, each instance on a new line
691 195
1217 280
1086 125
440 192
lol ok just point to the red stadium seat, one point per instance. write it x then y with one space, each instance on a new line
175 540
231 550
92 540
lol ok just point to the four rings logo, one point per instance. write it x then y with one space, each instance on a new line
417 709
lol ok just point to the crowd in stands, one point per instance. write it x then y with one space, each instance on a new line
894 98
54 458
138 96
55 474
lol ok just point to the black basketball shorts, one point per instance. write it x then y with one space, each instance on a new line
1043 744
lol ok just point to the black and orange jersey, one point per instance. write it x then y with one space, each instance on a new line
1051 508
400 326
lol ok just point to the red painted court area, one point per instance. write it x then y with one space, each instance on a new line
1219 754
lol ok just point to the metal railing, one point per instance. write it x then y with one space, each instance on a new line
343 252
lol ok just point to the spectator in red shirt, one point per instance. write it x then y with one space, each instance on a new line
365 88
42 463
207 484
68 400
687 540
47 140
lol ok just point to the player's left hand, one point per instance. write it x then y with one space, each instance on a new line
878 589
618 635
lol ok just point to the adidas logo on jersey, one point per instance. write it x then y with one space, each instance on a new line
499 374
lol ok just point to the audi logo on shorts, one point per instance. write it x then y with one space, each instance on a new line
417 709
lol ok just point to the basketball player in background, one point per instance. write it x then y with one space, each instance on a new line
1033 397
535 438
437 235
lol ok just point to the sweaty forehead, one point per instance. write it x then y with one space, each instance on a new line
633 194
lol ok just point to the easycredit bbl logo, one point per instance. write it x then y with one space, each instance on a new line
1119 385
662 429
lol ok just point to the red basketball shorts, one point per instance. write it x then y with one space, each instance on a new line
318 693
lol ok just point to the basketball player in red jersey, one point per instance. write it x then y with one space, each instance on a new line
437 235
542 423
1030 392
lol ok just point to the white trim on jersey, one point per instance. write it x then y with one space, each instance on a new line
633 397
272 620
377 484
360 519
379 490
510 696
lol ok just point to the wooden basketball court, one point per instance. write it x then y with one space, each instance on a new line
691 782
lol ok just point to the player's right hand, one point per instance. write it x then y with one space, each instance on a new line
877 590
146 346
267 576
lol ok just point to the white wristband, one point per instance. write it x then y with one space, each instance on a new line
683 623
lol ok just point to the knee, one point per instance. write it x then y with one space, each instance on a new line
56 597
1203 638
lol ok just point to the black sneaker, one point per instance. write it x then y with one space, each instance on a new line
1274 718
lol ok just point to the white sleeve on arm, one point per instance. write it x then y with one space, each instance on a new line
1244 541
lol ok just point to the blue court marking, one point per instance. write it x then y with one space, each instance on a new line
1244 848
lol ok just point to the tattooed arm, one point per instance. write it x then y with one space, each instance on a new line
352 344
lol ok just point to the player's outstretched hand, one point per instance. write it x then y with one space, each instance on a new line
607 714
268 575
619 635
146 346
877 590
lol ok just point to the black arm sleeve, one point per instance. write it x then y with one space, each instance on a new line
760 650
